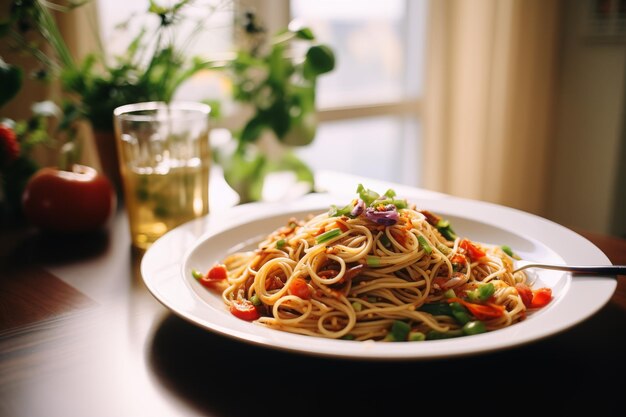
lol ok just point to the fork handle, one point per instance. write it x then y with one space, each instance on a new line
591 269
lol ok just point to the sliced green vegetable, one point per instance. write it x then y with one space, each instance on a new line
482 293
436 309
325 237
357 306
338 212
373 261
400 330
445 229
474 327
196 274
255 300
281 243
400 204
486 291
385 241
460 313
424 244
472 296
507 249
448 233
416 336
348 337
443 223
368 196
449 294
435 335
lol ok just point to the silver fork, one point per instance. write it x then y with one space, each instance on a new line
586 269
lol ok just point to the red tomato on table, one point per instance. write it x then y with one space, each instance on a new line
76 201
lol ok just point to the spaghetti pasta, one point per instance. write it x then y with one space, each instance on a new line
376 269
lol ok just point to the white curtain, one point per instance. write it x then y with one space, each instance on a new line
489 99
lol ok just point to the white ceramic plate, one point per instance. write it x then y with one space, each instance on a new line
167 265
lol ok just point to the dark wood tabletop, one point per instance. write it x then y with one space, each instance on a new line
81 336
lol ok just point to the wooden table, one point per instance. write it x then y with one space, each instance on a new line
81 336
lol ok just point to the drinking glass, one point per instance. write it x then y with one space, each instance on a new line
164 157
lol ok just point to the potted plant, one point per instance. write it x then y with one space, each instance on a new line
151 69
276 79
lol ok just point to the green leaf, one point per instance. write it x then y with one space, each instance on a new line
135 44
253 129
278 117
11 81
305 34
278 66
320 59
155 8
71 112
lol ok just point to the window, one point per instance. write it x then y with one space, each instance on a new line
369 107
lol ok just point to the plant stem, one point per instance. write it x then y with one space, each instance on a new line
50 32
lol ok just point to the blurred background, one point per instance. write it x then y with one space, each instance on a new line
516 102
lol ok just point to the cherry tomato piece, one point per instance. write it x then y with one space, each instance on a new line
525 293
218 272
216 275
481 311
299 288
473 251
541 297
245 310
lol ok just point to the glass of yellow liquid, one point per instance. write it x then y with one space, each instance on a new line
164 156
